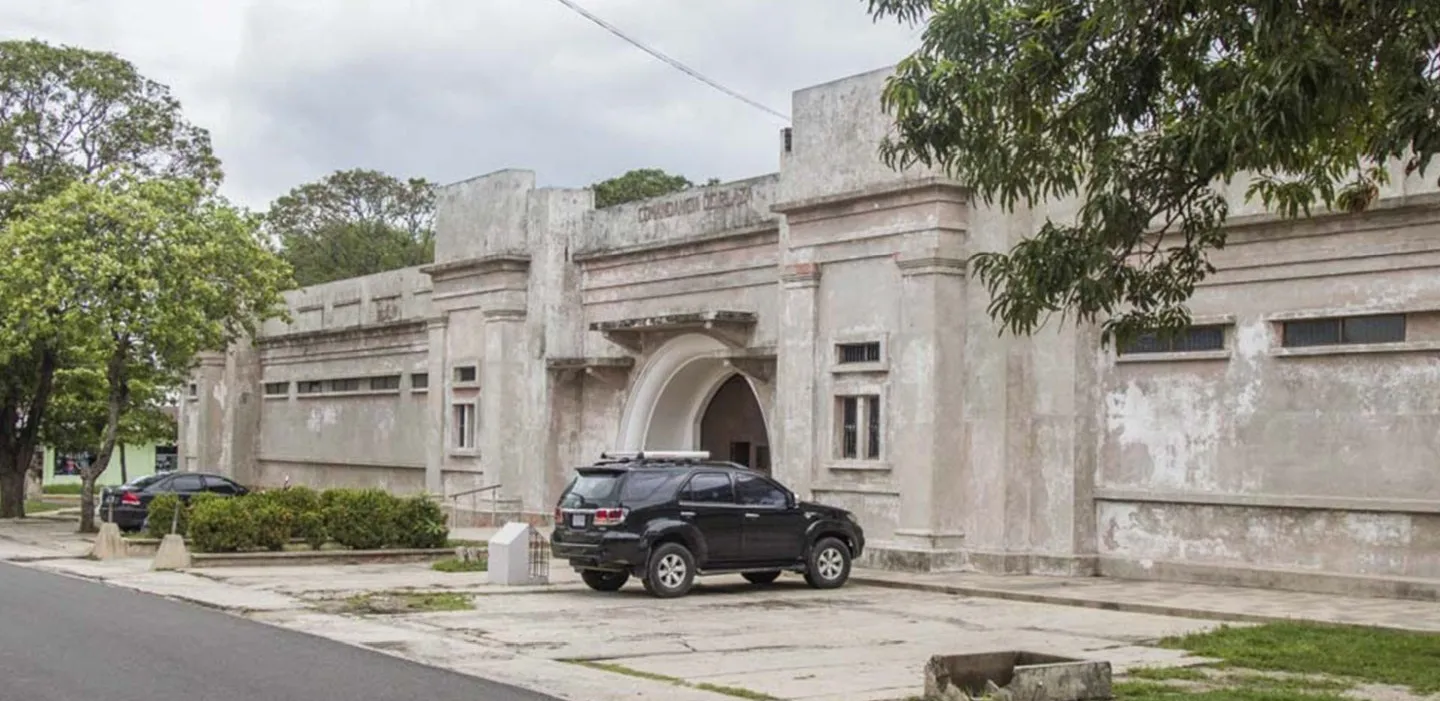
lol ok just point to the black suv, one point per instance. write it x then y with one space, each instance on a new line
668 517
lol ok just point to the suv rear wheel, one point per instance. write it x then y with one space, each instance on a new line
671 571
828 566
761 577
601 580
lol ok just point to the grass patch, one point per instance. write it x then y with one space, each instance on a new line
455 564
713 688
62 488
1376 655
1190 674
1160 691
462 543
40 507
406 602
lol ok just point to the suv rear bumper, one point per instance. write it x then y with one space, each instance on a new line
615 551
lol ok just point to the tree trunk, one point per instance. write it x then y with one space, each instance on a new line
12 490
124 473
87 501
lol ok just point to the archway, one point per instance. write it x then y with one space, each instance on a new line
674 394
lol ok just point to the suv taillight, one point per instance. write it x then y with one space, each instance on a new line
559 515
610 517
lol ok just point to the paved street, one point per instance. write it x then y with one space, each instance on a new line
64 639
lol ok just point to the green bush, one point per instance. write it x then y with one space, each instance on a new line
296 500
223 525
362 519
161 512
311 527
271 520
420 523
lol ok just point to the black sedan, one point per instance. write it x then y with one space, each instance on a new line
128 503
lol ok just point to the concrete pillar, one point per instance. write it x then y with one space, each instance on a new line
928 396
792 425
503 391
435 406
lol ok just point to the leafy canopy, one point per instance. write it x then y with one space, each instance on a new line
353 223
640 184
1138 109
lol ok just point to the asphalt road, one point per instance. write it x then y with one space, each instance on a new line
65 639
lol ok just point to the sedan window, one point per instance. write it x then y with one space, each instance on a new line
185 484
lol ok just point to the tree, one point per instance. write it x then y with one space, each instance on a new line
167 270
80 408
1138 110
66 114
353 223
640 184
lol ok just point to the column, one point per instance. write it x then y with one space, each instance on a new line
504 401
435 405
929 394
793 424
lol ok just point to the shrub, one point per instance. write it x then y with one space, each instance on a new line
161 513
420 523
271 521
296 500
310 525
362 519
223 525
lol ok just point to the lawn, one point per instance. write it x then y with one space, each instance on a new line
1290 662
37 507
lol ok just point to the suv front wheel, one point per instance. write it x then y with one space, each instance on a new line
671 571
828 566
600 580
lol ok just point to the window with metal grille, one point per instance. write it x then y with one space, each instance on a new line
465 374
1384 328
310 387
858 427
277 389
387 382
859 352
347 384
464 427
419 380
1191 340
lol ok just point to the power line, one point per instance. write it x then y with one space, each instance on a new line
674 63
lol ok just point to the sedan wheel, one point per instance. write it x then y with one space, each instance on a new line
671 571
829 564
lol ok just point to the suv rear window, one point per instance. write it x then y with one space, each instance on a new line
650 486
591 490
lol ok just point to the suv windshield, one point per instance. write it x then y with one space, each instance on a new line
591 490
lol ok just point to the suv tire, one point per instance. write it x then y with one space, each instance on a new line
602 580
761 577
828 565
670 572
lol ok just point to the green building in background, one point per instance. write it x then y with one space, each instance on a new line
140 460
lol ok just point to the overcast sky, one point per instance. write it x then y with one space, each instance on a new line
448 89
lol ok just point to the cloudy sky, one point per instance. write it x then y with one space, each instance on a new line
447 89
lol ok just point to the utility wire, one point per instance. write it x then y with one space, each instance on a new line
674 63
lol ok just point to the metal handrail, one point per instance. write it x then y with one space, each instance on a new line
494 505
457 495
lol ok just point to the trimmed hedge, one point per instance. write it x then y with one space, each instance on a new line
161 512
360 519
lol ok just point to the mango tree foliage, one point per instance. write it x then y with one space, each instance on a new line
1138 109
353 223
68 114
144 275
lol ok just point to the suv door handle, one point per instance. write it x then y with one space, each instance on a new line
687 514
752 515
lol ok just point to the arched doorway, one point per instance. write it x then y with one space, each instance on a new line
686 385
733 427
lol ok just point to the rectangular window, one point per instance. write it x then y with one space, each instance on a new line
309 387
465 373
1191 340
858 352
194 390
859 427
388 382
1387 328
419 380
464 426
277 389
348 384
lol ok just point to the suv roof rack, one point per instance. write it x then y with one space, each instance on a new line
656 455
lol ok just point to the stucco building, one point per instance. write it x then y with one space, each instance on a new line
819 323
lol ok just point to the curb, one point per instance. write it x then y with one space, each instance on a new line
1107 605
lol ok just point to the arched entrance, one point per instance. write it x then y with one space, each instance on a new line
688 397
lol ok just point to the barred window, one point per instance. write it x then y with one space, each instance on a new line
387 382
310 387
858 427
419 380
1192 340
465 374
859 352
1386 328
348 384
277 389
